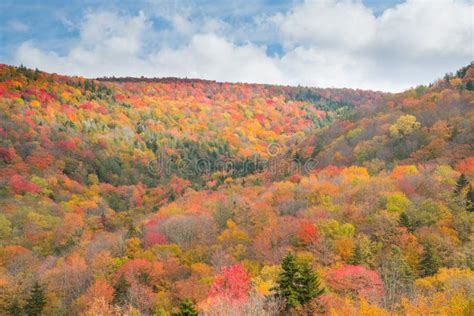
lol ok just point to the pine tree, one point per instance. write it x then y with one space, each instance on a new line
36 302
430 262
121 291
297 283
470 200
404 221
461 184
186 308
310 286
357 257
287 287
14 308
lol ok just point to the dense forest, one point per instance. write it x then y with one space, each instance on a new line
135 196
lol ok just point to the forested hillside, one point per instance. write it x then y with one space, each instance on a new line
134 196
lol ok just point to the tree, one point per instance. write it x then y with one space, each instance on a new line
430 262
297 283
461 184
14 308
355 281
186 308
310 284
404 221
470 200
232 284
404 126
121 291
36 302
397 277
357 257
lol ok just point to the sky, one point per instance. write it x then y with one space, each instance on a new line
369 44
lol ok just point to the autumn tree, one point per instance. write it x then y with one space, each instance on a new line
397 277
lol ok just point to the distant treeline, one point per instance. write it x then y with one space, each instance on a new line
162 80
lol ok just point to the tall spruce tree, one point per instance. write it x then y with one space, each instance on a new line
14 308
357 256
36 302
461 184
430 261
404 221
121 291
297 283
186 308
470 199
310 286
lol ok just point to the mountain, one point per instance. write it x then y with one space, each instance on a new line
149 195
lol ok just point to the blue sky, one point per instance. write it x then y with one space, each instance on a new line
385 45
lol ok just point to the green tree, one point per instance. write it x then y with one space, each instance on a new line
186 308
121 291
430 261
310 286
470 200
461 184
404 221
470 85
36 302
14 308
357 257
297 283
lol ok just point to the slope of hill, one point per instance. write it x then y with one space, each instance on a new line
126 196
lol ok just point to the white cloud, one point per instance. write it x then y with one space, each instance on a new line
18 26
212 57
326 43
327 23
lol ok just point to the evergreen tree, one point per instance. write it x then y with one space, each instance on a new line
470 200
357 257
430 262
14 308
186 308
36 302
121 291
297 283
404 221
287 287
309 284
461 184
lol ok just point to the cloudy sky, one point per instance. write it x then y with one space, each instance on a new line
382 45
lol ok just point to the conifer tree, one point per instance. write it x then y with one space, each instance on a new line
186 308
357 257
430 262
36 302
310 286
121 291
297 283
404 221
470 200
461 184
14 308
